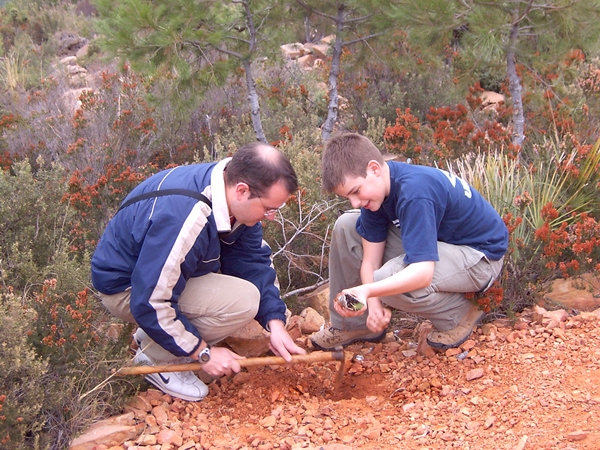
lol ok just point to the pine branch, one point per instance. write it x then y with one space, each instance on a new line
362 39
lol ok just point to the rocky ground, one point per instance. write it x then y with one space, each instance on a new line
531 385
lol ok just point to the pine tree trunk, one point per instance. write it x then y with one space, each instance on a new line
332 108
250 81
514 86
253 99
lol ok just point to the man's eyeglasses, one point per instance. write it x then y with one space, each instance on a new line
270 211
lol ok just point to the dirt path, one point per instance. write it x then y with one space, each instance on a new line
535 386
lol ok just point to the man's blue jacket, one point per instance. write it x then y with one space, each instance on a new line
155 245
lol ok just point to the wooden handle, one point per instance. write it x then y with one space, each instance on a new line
337 355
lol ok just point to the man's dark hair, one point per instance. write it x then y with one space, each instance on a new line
260 166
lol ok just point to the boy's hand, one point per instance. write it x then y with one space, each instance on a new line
345 312
379 316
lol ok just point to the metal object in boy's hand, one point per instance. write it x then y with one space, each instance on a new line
349 301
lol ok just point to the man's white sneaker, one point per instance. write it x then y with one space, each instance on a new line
184 385
139 336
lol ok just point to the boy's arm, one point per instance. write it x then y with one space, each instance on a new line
378 316
414 276
372 259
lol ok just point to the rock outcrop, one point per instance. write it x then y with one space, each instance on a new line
309 55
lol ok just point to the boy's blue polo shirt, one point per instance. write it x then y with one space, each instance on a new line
431 205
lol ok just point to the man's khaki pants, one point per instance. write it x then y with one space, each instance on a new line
217 305
460 269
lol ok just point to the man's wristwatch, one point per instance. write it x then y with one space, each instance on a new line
204 355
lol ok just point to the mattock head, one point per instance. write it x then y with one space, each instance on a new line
341 357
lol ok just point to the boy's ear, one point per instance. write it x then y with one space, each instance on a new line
373 167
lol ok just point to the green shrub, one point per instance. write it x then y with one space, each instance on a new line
547 211
76 336
54 333
33 221
21 385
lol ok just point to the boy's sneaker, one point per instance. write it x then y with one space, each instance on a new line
444 340
184 385
330 338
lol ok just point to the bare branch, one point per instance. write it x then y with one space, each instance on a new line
230 52
358 19
362 39
305 289
318 13
299 227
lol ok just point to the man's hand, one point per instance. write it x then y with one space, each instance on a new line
222 362
282 343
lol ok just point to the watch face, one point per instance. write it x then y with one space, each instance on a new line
204 355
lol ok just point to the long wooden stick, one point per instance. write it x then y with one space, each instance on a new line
337 355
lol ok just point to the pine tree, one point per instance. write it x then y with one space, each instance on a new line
508 32
199 43
354 21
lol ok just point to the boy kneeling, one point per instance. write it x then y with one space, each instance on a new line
422 238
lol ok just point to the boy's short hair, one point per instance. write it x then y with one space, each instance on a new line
347 155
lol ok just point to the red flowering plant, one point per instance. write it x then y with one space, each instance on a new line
571 248
405 137
96 202
64 328
490 300
547 209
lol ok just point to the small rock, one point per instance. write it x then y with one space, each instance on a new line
320 50
105 432
241 378
453 351
569 293
424 386
577 435
312 322
68 60
146 439
319 300
268 421
489 422
407 407
373 433
474 374
448 437
141 403
292 51
521 325
169 437
161 414
468 345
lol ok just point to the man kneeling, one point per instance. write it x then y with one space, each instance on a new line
184 259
